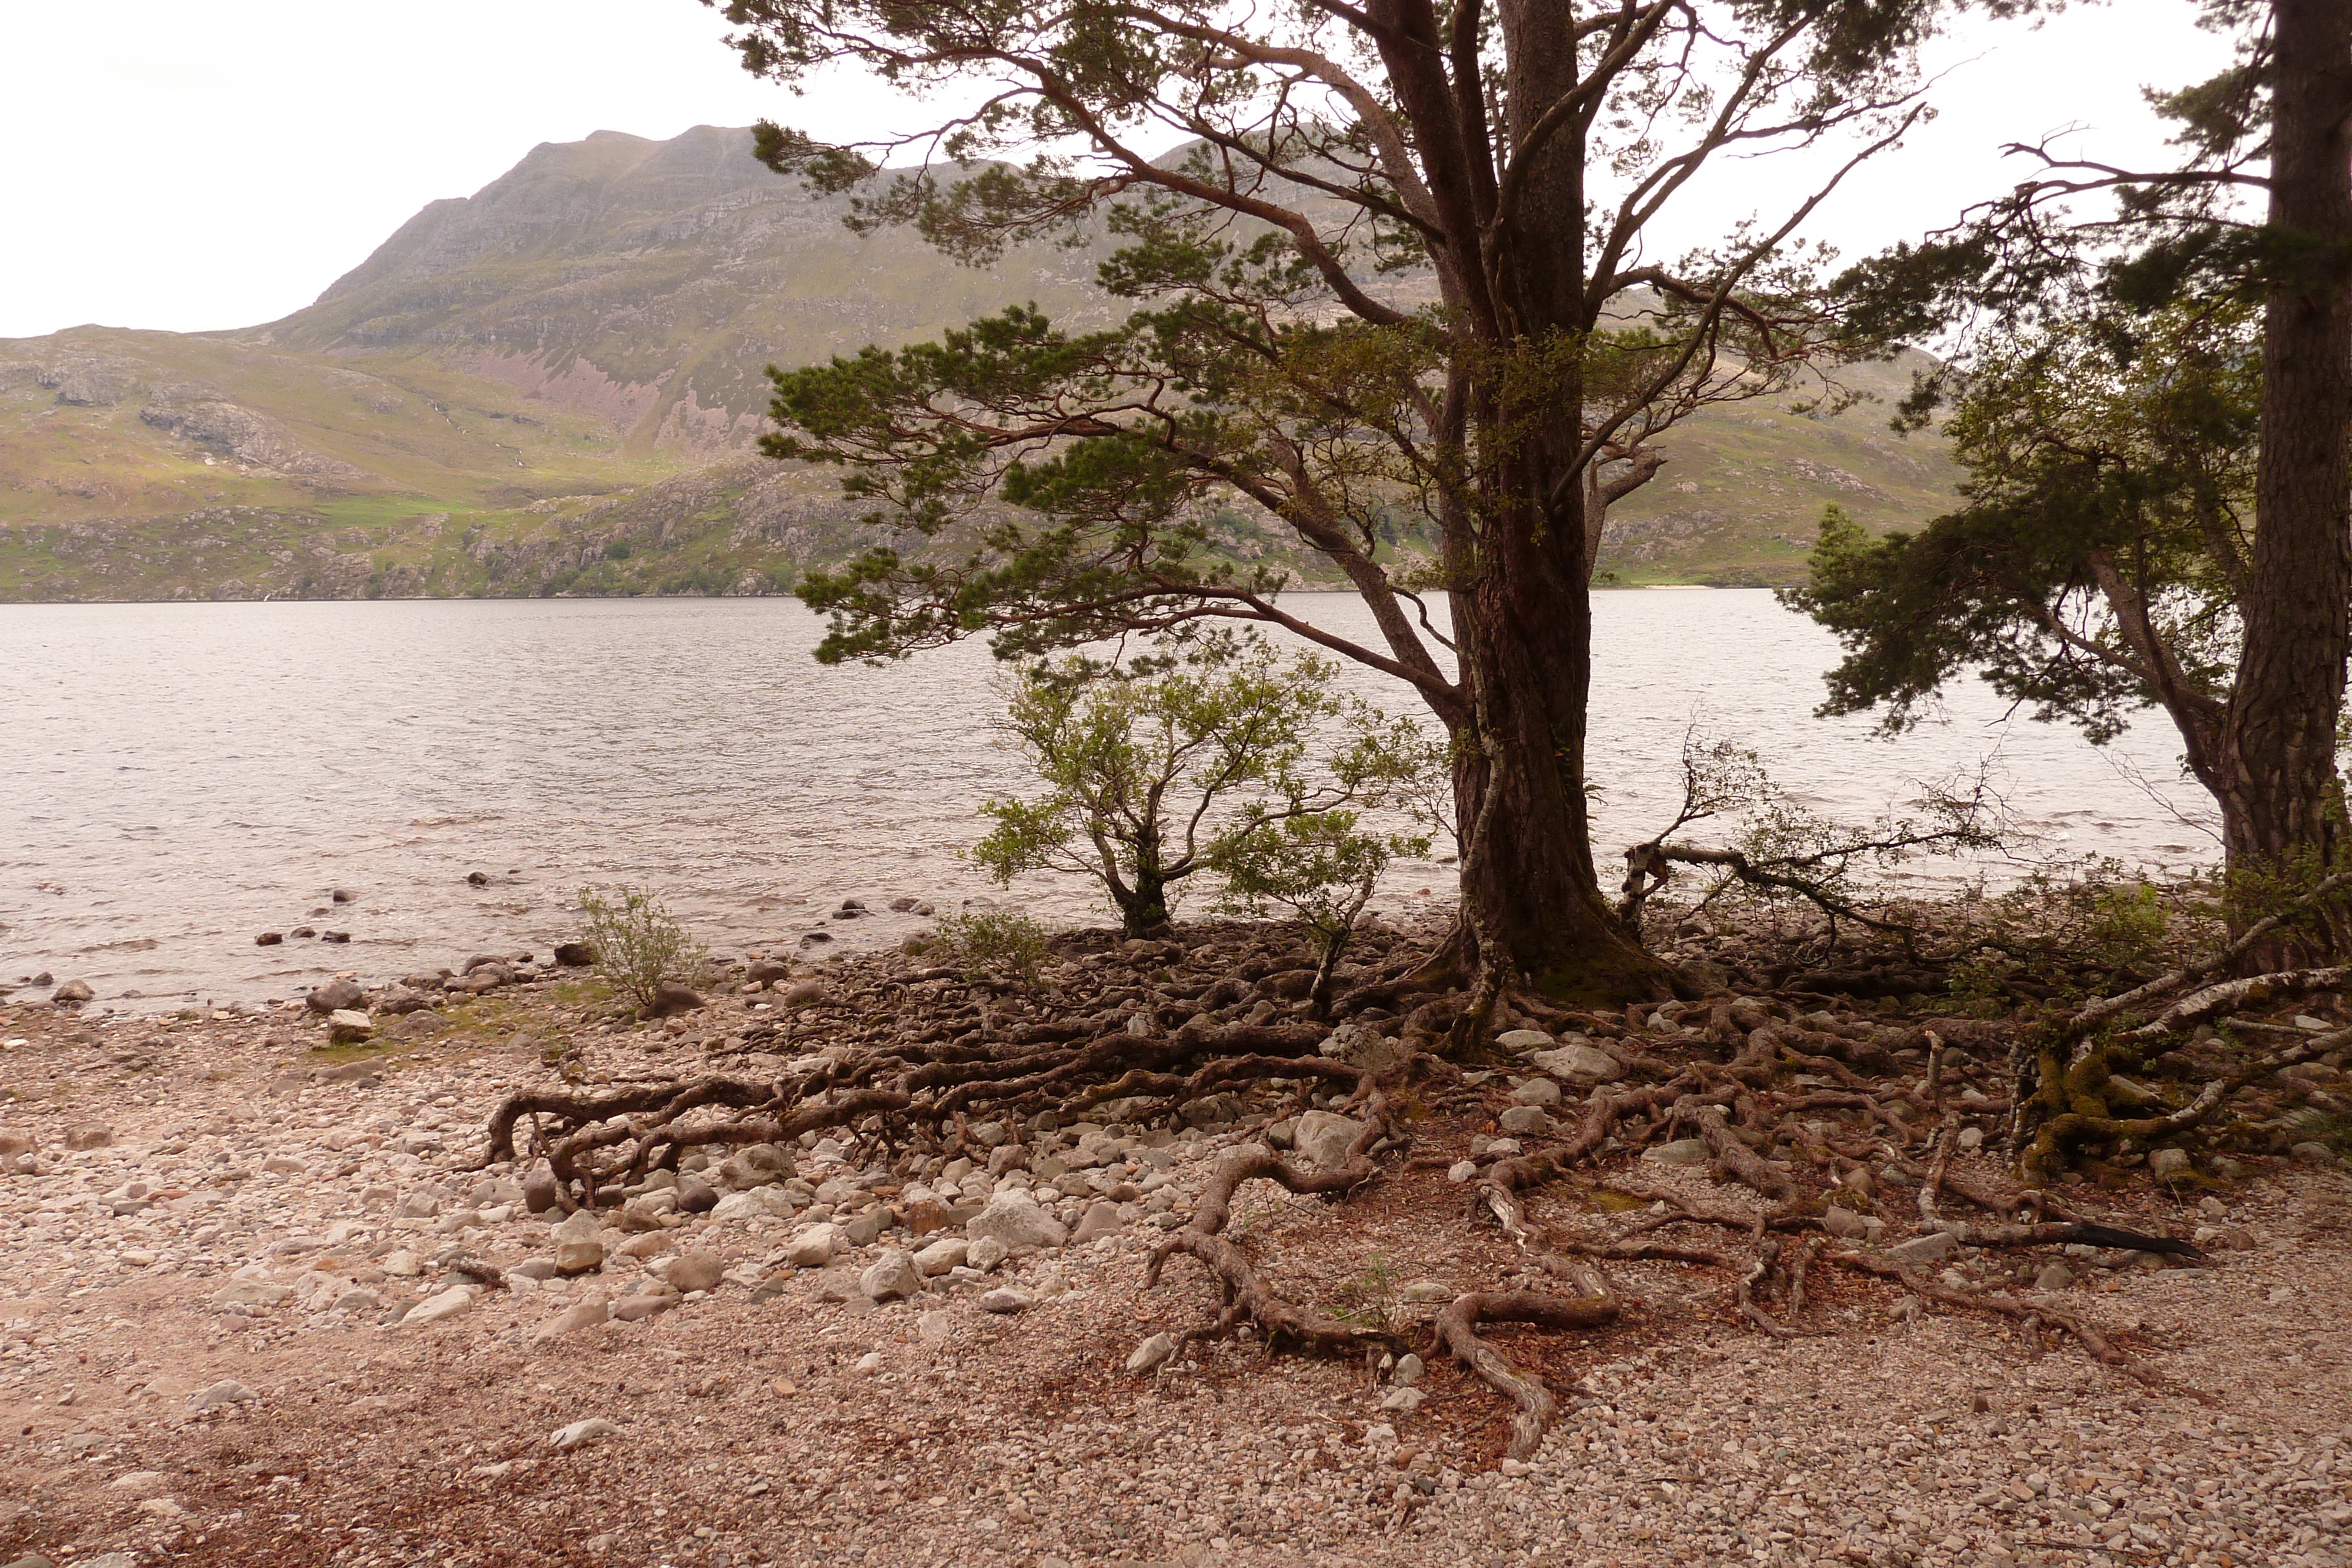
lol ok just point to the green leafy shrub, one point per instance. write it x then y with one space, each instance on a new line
992 942
1151 768
639 943
1321 867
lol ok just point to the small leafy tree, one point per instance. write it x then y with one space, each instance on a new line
1322 867
639 943
1149 768
992 941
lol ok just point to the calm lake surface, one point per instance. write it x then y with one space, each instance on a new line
179 777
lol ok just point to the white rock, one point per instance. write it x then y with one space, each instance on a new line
935 1327
251 1293
1681 1152
1152 1353
579 1432
1537 1092
441 1308
349 1026
952 1252
1406 1400
1582 1062
1925 1249
1005 1299
1524 1040
228 1391
984 1254
1462 1170
814 1248
1014 1219
891 1277
579 1315
1324 1137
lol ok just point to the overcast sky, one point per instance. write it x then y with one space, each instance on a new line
198 166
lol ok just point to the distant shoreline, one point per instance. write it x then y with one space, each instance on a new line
686 597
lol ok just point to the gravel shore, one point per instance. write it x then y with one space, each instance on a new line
252 1311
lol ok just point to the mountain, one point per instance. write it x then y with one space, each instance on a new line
553 386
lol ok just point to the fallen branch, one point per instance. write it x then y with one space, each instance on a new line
1993 1302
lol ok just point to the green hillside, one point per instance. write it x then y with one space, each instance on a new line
552 386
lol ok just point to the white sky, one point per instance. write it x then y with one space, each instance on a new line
200 166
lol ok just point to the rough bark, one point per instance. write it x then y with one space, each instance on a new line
1525 617
1529 867
2281 795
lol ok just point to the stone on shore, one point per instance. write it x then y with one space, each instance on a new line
1582 1063
228 1391
579 1315
695 1271
449 1303
1323 1137
891 1278
1014 1219
670 999
814 1248
579 1432
334 997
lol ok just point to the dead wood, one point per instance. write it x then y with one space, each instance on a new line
1997 1303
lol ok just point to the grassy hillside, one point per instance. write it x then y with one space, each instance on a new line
1742 492
552 387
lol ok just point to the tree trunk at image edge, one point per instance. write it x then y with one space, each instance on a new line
2282 797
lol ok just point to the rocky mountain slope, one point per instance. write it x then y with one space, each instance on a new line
553 386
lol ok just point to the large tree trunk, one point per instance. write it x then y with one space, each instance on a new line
2279 739
1524 618
1527 867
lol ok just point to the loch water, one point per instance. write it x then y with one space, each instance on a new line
179 777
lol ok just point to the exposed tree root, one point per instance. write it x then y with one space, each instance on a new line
1456 1329
1245 1296
1797 1098
2099 1347
2068 1130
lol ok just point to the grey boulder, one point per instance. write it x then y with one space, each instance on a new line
334 997
893 1277
1323 1137
1014 1219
